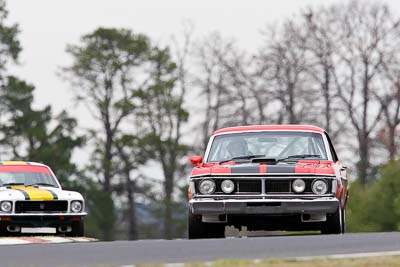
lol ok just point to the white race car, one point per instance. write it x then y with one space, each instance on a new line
32 201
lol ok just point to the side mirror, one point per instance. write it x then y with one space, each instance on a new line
196 160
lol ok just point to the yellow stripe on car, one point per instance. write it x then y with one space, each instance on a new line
13 163
35 193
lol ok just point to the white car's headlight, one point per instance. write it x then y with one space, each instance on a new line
76 206
227 186
207 187
319 187
6 206
298 185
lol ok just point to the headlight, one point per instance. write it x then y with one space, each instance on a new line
298 185
76 206
6 206
227 186
207 187
319 187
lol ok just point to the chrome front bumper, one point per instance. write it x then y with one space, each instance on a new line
42 214
264 206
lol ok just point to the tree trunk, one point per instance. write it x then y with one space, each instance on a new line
290 107
108 230
132 232
168 188
107 154
392 143
363 165
327 98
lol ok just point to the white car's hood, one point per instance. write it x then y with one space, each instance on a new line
37 193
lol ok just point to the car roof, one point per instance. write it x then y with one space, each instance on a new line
289 127
19 163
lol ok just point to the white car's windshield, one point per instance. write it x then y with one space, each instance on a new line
269 144
36 175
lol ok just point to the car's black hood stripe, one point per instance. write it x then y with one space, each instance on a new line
255 168
245 169
26 195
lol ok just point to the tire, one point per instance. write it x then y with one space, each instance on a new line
198 229
78 229
3 230
344 228
333 224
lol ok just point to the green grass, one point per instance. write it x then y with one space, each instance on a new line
386 261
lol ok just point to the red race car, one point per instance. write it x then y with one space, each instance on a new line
267 177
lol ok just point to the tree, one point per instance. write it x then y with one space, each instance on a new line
107 72
365 33
35 134
217 80
284 66
383 201
161 116
389 94
9 44
320 43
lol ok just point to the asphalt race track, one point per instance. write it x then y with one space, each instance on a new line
120 253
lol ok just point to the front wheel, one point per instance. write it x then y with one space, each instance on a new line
198 229
344 228
335 223
78 229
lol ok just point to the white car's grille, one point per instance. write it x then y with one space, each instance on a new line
31 206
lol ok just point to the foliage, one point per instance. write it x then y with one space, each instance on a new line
9 44
36 134
376 207
161 116
358 208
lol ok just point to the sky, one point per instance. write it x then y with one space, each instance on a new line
47 26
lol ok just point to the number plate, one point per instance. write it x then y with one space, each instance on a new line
40 230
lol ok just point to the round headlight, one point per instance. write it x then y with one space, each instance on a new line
207 187
319 187
227 186
6 206
76 206
298 185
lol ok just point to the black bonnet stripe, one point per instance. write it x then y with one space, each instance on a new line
280 169
23 192
246 169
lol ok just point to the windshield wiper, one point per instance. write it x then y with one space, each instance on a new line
44 184
242 157
302 156
9 184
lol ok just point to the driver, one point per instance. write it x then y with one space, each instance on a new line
237 148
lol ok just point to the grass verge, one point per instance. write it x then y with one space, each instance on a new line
384 261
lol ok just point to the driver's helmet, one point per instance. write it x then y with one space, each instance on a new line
237 148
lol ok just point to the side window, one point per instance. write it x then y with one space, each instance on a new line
334 155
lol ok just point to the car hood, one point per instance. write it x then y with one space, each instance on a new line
37 193
323 167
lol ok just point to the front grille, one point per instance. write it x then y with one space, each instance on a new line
249 186
285 186
272 185
277 186
242 186
41 206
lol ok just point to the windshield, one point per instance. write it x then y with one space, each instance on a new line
26 175
273 144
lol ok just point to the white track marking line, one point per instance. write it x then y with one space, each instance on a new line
57 239
43 240
351 255
12 241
